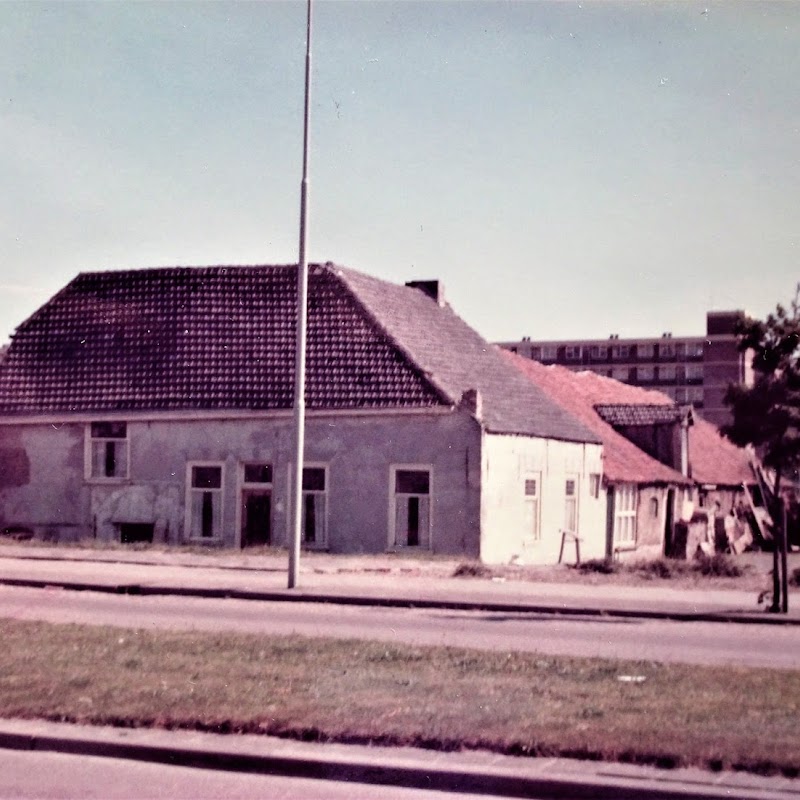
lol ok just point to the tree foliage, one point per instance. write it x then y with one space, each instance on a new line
767 414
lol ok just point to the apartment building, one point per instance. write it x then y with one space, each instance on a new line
690 369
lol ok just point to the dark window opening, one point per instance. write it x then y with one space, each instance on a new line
134 532
313 479
413 521
408 481
310 522
258 473
207 515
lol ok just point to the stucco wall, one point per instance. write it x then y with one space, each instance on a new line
41 480
507 461
46 490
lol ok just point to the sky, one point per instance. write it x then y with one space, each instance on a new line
567 169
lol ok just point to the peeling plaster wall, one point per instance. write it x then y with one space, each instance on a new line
47 491
41 480
507 461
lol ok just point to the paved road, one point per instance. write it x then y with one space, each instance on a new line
687 642
52 776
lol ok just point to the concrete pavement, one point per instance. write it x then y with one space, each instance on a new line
368 581
474 772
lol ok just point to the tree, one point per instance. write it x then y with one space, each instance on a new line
767 414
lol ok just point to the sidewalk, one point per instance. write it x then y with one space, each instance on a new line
351 580
477 772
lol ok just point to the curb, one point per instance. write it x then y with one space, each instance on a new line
739 617
501 783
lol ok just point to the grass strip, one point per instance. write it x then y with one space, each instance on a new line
437 697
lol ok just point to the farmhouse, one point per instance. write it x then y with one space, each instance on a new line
155 405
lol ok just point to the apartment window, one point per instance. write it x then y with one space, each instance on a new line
654 507
696 395
645 351
619 352
536 353
625 515
571 504
694 350
204 503
549 352
599 352
594 485
667 373
620 373
315 506
410 523
680 350
694 372
666 350
107 457
645 373
573 353
533 532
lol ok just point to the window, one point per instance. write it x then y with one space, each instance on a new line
599 352
410 523
694 372
573 353
532 531
680 349
594 485
571 504
667 373
619 352
645 351
313 522
645 373
694 350
654 507
108 451
666 350
696 395
549 352
620 373
625 515
536 353
204 502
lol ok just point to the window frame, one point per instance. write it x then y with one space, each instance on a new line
393 545
573 352
575 496
625 515
243 485
88 452
532 539
324 493
190 489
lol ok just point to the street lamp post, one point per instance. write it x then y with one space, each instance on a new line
300 351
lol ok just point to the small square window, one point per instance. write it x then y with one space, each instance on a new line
258 473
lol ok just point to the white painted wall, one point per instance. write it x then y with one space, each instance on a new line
506 461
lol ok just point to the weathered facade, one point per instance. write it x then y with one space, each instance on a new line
155 405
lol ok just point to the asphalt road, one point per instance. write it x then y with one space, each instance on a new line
52 776
652 640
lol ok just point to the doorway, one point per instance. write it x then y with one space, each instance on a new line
256 517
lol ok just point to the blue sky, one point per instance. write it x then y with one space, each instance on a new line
566 168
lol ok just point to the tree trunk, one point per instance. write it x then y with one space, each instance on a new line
777 548
784 564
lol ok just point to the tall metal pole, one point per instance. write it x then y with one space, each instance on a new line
300 352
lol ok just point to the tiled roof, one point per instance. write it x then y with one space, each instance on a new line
203 338
224 338
578 393
715 460
631 415
456 358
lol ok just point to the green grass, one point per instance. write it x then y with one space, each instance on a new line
443 698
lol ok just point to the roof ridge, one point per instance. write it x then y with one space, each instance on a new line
342 274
